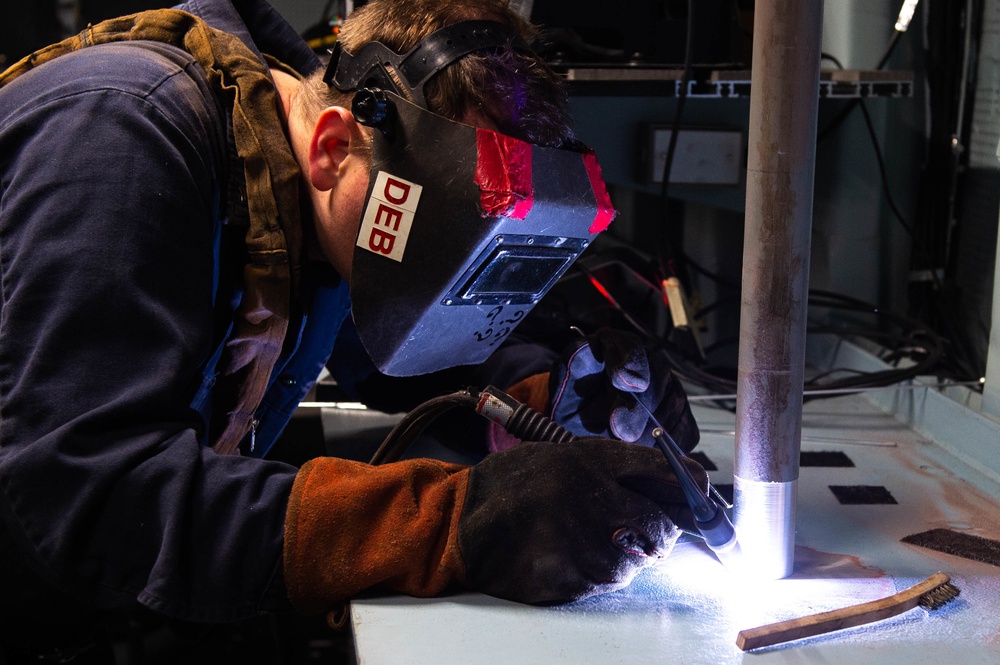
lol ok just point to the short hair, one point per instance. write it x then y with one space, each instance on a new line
514 90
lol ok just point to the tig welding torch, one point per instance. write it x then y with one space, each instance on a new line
525 423
710 518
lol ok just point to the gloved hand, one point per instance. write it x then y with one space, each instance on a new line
594 391
540 523
549 523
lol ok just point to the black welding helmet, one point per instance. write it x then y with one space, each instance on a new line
464 229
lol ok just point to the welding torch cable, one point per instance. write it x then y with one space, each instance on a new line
493 404
414 423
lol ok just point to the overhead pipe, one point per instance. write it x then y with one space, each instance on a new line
781 162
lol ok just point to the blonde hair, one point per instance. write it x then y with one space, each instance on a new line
514 90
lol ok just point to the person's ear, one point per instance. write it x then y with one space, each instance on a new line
330 145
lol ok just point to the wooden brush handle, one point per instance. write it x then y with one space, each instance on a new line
845 617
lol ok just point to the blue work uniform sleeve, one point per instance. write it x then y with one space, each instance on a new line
109 161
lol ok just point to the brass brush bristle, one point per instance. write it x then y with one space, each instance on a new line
938 596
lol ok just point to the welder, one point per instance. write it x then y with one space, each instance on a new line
192 206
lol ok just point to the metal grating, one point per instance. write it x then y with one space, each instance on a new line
862 495
825 458
964 545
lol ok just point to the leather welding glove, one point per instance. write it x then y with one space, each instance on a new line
594 391
549 523
540 523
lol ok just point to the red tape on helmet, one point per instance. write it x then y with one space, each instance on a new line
503 173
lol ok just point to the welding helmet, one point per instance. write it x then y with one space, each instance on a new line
463 229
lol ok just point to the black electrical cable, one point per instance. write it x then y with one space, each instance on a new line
964 364
831 58
947 352
959 355
415 422
688 261
874 137
666 249
932 343
715 277
927 345
893 42
880 160
950 50
883 173
682 94
850 106
917 338
614 303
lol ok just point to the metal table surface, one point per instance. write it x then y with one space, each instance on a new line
691 609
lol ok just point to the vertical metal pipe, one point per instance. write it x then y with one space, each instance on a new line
780 168
991 389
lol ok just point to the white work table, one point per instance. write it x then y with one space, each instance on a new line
690 610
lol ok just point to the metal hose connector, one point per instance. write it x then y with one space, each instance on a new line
520 420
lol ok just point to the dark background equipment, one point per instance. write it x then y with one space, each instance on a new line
651 32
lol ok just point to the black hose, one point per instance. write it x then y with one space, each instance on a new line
520 420
415 422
